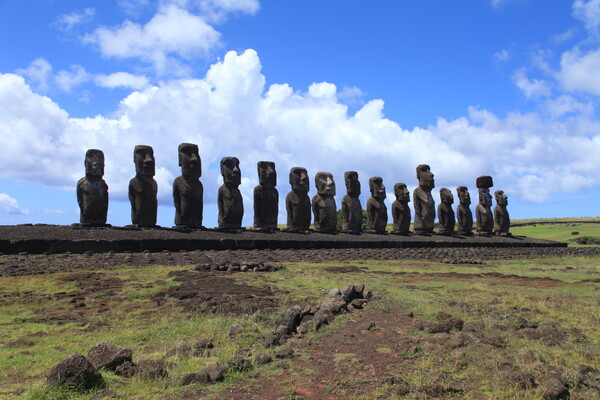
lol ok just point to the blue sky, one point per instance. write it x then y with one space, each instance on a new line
506 88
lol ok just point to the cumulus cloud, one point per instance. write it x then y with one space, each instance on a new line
123 80
8 205
39 73
531 87
67 80
502 56
66 22
217 10
579 71
231 112
171 34
588 11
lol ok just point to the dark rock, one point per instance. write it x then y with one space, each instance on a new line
322 317
285 352
105 394
127 369
349 293
552 388
263 359
239 363
202 347
215 372
493 339
518 378
358 303
291 319
190 379
152 369
334 305
75 372
108 356
274 339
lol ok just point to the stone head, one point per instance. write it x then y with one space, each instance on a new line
352 183
376 187
446 196
325 184
401 192
485 198
501 198
267 176
143 157
425 177
189 160
463 195
299 179
230 170
94 163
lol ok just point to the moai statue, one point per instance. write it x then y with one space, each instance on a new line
92 191
501 217
229 198
266 198
323 203
400 210
143 188
376 209
423 201
446 213
351 208
297 203
483 211
464 216
187 189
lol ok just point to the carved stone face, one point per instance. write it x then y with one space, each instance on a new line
325 184
143 157
299 179
446 196
352 183
230 170
189 160
94 163
401 192
485 198
463 195
425 177
501 198
376 187
267 175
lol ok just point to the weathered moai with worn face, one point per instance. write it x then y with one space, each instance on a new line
446 213
351 207
323 203
297 202
464 216
92 191
423 201
229 198
400 210
266 198
501 217
377 216
143 188
188 191
483 211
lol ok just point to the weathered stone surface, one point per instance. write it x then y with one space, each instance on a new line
229 198
297 202
75 372
377 216
464 216
266 197
263 359
108 356
351 208
552 388
188 191
196 377
400 210
126 369
423 201
323 203
446 213
152 369
143 188
483 211
501 217
92 190
215 372
335 305
291 319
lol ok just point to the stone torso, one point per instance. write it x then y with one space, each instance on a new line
325 212
92 196
231 206
501 220
485 219
424 210
351 213
401 216
297 205
376 214
188 199
142 195
446 219
464 218
266 207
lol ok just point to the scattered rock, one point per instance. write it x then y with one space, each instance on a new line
152 369
552 388
263 359
235 330
105 394
202 347
126 369
108 356
215 372
190 379
75 372
518 378
285 352
239 363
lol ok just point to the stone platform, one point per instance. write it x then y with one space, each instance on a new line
52 239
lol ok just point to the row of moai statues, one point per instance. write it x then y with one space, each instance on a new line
92 196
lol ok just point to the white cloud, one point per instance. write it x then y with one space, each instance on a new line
66 22
133 7
502 55
217 10
231 112
8 205
172 33
589 13
67 80
531 87
38 73
564 36
566 104
580 72
123 80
